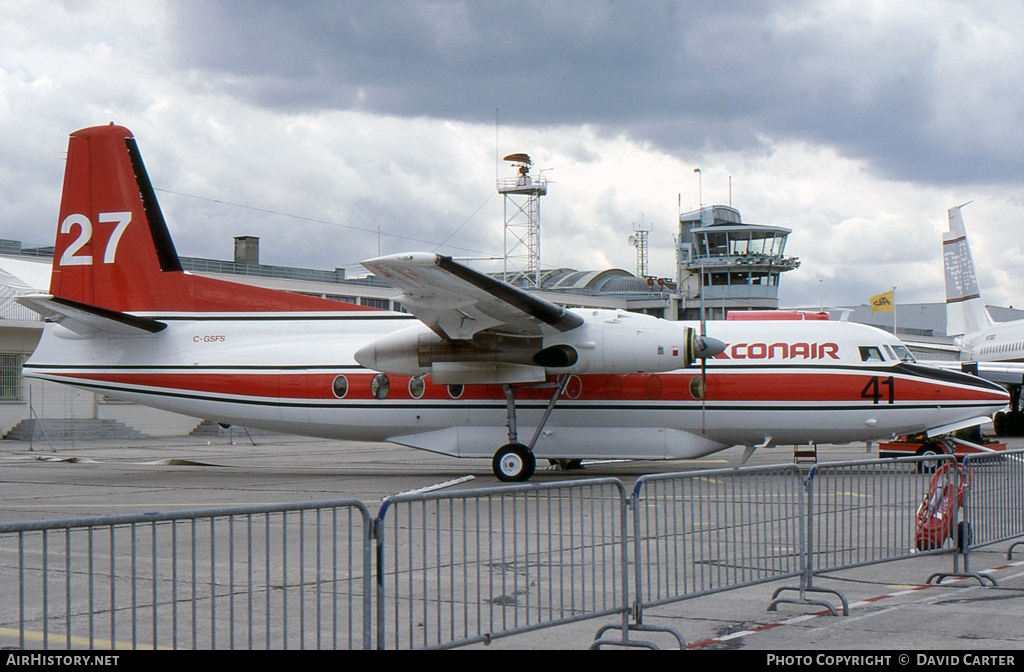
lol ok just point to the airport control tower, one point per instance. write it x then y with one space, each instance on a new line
723 264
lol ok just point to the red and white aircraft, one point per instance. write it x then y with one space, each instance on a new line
478 361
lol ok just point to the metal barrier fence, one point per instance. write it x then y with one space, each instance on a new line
471 566
476 565
706 531
287 576
994 501
861 513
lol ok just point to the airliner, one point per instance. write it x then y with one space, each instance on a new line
479 369
998 348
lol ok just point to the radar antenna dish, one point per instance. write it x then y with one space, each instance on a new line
519 158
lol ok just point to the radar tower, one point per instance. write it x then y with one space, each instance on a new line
522 222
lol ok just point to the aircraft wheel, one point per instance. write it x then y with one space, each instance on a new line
513 463
999 423
928 450
1015 423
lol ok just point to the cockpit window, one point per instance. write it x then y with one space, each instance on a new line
871 353
903 353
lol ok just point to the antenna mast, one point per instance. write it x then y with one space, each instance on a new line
639 241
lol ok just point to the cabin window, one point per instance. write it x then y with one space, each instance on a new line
455 391
340 386
697 387
380 386
871 353
416 387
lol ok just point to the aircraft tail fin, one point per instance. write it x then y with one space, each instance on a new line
965 310
113 249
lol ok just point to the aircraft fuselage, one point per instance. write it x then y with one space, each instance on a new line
782 382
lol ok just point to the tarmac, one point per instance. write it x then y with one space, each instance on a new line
893 610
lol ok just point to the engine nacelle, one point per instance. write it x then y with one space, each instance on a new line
614 342
415 350
619 342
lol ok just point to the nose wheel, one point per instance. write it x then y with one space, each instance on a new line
513 463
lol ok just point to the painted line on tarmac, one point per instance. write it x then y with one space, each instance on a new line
436 486
76 640
853 605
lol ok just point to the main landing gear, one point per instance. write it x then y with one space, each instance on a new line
1012 423
515 462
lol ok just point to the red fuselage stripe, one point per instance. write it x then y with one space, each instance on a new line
770 386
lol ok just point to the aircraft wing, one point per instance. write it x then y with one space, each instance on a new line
1003 373
457 302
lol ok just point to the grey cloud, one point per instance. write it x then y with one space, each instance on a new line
684 75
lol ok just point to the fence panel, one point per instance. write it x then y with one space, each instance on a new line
472 566
702 532
286 576
865 512
994 503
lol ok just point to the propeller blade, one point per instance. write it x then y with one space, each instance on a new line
704 347
703 392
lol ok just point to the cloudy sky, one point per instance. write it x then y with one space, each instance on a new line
333 129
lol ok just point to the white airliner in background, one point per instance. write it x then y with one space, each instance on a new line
998 349
478 364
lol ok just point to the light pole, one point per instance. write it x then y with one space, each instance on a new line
700 187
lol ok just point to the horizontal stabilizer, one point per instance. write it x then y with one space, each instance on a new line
84 319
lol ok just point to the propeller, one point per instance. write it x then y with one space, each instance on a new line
703 360
703 381
704 347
